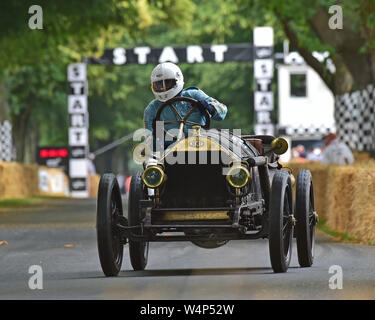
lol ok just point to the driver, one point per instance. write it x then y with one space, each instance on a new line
167 82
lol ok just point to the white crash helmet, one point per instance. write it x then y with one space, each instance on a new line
166 81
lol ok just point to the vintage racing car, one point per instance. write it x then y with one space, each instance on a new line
239 192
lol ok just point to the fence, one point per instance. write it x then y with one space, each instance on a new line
355 119
6 148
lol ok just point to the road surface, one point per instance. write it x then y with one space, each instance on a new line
61 238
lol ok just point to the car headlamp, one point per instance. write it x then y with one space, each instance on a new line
153 176
238 176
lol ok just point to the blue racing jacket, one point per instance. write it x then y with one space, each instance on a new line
183 108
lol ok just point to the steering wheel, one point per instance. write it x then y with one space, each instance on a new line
182 121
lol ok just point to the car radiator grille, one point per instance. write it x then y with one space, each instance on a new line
194 186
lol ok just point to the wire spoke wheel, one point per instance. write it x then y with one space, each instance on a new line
281 222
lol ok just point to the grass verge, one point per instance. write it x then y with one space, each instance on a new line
26 202
337 236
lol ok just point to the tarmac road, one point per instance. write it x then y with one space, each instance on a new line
239 270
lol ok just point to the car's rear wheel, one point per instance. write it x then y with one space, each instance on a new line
109 207
306 218
138 250
281 221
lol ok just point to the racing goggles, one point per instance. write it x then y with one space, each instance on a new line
163 85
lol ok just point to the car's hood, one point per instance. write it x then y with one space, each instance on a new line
233 146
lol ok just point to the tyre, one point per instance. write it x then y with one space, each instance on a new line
306 218
281 221
109 206
138 250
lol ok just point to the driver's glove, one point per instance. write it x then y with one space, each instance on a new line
204 105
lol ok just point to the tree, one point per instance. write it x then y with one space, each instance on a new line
352 49
119 95
33 62
77 27
37 97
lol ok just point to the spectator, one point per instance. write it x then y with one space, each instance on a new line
336 152
301 150
314 154
298 153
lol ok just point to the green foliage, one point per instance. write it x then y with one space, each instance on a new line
119 95
338 236
12 203
231 84
36 60
43 92
74 26
33 62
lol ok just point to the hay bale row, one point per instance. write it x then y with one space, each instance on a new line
53 182
320 177
345 196
18 180
93 185
22 180
354 213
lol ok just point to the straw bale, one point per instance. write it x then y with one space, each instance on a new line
360 220
345 195
18 180
93 185
319 174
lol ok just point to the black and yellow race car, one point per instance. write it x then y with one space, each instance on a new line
208 188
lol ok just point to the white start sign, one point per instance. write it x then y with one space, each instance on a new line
192 54
78 130
263 74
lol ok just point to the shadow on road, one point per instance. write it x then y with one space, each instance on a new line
181 272
193 272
